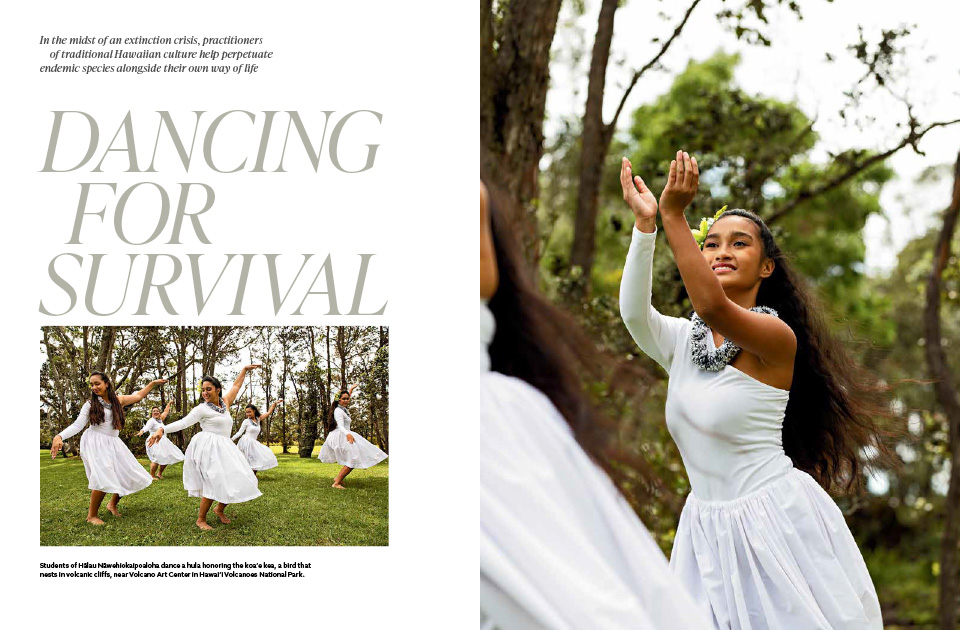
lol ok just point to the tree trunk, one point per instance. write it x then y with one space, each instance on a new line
107 339
514 77
946 392
595 142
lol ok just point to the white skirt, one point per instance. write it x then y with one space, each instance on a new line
214 468
361 454
781 557
164 452
258 455
110 466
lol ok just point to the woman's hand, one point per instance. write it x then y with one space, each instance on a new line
682 184
56 446
252 366
350 438
159 381
155 437
636 194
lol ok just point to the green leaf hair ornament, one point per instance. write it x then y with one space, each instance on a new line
700 235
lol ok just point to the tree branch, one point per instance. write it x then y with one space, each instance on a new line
639 73
805 195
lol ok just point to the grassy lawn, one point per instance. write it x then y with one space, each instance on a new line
298 507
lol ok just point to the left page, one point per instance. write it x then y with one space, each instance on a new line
242 262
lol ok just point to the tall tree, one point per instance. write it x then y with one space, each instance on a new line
515 41
946 390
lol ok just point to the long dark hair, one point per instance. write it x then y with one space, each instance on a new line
544 346
837 420
256 412
96 414
331 420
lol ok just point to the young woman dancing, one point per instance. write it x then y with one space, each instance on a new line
344 447
258 455
560 547
109 464
214 469
765 408
164 452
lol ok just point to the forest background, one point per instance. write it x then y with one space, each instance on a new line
835 122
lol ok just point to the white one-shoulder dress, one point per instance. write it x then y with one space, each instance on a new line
109 464
559 546
163 452
258 455
760 545
213 466
337 449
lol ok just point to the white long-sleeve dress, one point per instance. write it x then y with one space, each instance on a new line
559 546
109 464
163 452
337 449
258 455
759 544
213 466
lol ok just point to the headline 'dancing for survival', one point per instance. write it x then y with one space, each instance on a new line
191 200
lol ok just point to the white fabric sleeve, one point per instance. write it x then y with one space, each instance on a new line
656 334
195 415
243 428
78 424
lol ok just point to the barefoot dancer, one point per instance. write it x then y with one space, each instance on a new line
766 410
164 452
258 455
109 464
345 447
214 468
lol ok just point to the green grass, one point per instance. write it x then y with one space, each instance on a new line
298 507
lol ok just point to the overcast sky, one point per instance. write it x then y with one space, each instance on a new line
795 68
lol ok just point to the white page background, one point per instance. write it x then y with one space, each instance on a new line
416 63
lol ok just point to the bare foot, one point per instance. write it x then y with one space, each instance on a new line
93 520
203 525
338 486
157 478
113 510
221 515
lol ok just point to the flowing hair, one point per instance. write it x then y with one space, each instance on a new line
331 420
544 346
256 412
96 414
836 417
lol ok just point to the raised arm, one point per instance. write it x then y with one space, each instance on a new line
654 333
265 415
166 412
188 420
135 398
82 418
766 336
231 395
243 429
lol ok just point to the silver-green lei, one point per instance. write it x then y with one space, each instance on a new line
722 356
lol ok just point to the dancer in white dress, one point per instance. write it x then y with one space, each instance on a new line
763 405
164 452
258 455
109 464
345 447
213 467
560 548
